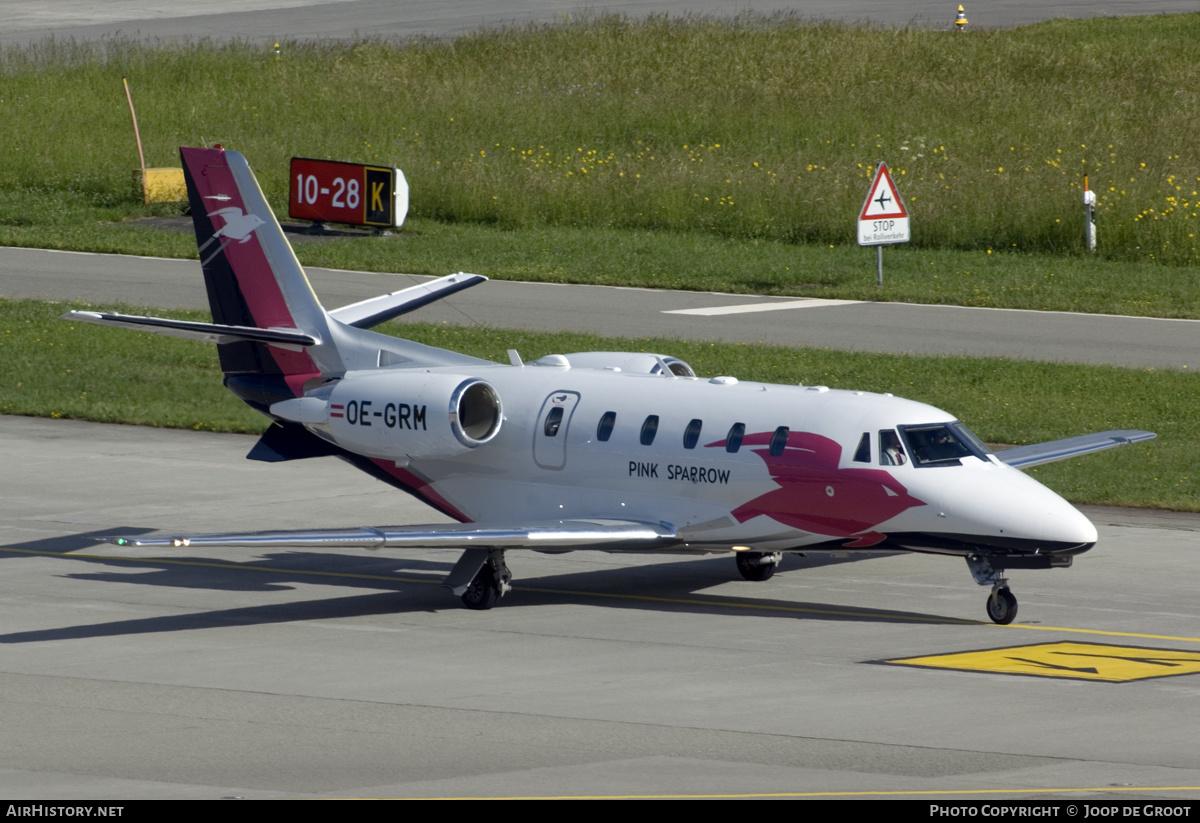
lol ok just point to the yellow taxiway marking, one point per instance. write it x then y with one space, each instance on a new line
1106 633
1075 661
713 601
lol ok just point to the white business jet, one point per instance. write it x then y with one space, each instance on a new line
609 451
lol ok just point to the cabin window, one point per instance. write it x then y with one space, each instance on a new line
649 429
605 429
779 441
733 440
553 421
691 435
863 453
891 453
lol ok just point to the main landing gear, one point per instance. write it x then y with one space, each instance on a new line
480 578
1001 603
758 566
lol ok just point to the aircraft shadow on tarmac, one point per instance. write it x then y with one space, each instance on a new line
82 542
414 585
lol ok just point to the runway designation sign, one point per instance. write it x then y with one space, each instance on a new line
326 190
883 218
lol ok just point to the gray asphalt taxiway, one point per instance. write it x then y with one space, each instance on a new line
130 673
639 313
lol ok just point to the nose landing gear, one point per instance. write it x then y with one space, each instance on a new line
1001 603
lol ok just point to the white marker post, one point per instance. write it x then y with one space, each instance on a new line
1089 216
883 219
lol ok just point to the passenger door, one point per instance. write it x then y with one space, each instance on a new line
550 437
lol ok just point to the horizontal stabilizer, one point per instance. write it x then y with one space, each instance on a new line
189 330
1024 457
559 535
372 312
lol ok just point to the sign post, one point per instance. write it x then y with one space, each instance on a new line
883 219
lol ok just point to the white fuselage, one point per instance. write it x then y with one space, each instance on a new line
576 443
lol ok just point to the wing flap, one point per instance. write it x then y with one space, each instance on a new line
1023 457
559 535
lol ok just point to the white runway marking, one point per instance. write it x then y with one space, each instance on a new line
748 308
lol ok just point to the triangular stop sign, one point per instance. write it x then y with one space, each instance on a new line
883 218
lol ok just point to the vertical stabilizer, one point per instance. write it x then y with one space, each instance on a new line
254 279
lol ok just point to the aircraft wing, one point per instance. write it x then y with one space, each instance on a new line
558 535
1023 457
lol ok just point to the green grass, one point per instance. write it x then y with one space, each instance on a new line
59 369
692 152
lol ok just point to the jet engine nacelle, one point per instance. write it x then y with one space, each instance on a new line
400 416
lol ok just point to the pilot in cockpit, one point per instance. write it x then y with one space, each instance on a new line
891 453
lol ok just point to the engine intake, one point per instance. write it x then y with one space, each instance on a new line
475 413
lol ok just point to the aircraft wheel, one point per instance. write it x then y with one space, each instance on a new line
1002 606
754 565
482 594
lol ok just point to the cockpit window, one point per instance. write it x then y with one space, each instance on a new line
973 442
891 453
942 444
863 453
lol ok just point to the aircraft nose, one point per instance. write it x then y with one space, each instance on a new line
1036 514
1063 523
1004 505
